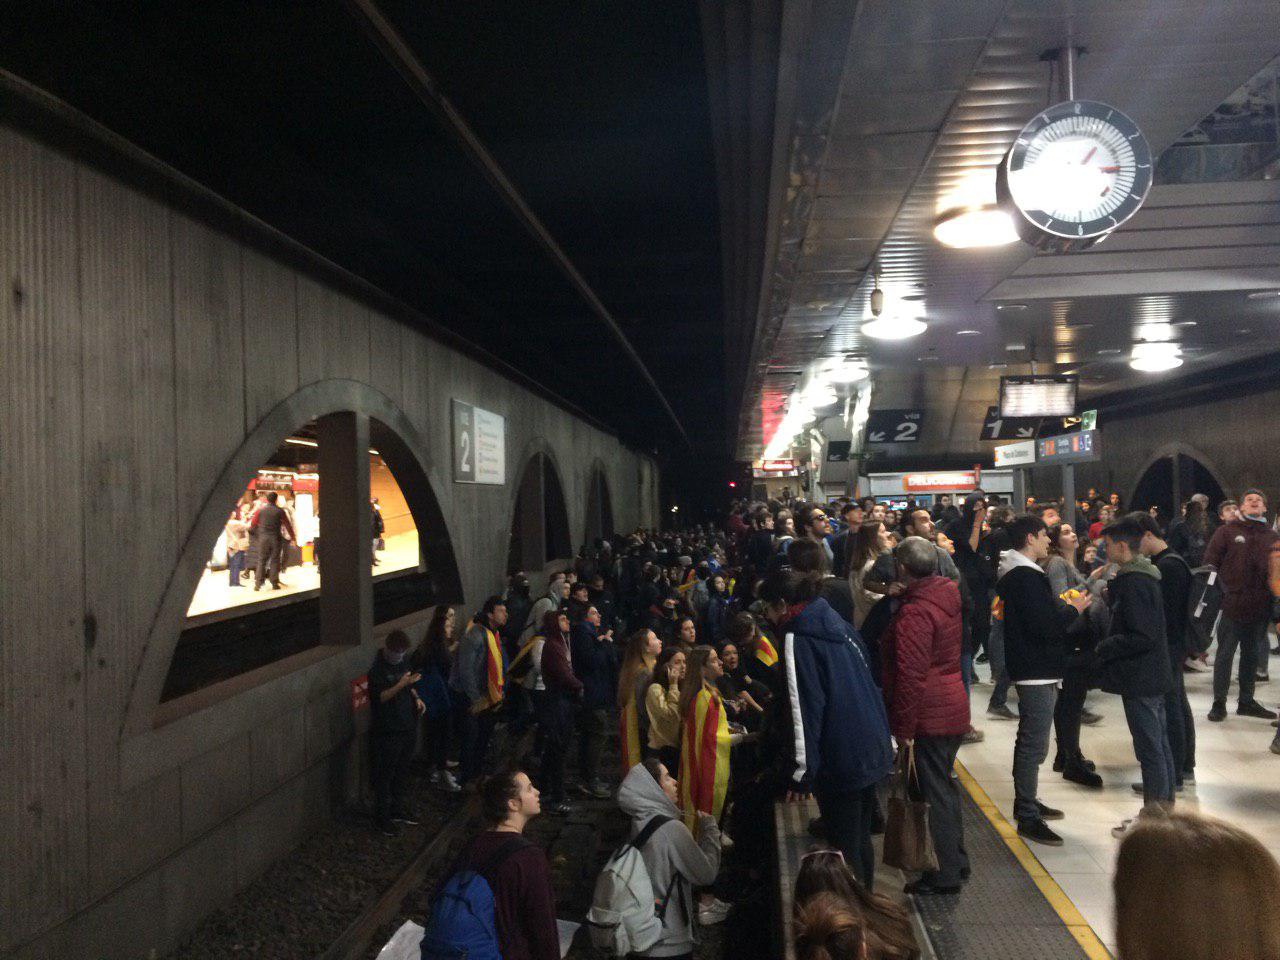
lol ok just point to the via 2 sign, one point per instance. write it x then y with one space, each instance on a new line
894 426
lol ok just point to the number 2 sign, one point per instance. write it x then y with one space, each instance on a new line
479 445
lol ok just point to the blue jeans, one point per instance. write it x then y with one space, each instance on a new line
1150 735
995 656
966 671
235 565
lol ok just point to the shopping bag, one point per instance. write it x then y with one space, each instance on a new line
908 844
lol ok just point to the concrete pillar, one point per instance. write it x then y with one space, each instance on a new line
1069 495
346 544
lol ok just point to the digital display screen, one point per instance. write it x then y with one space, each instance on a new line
1038 396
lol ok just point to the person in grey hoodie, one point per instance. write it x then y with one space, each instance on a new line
649 791
557 593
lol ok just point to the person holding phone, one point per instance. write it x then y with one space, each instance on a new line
394 708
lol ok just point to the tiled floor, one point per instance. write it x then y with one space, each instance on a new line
1237 779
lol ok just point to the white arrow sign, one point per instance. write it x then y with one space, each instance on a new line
875 436
1026 431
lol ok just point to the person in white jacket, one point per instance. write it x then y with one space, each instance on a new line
649 791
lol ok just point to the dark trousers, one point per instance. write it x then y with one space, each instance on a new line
553 723
995 656
1066 713
1035 719
935 759
474 732
436 730
1182 727
847 816
980 619
1248 635
593 731
389 756
269 549
235 565
1151 746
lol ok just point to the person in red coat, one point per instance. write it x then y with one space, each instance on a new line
927 705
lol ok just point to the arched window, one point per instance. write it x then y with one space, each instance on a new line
599 506
540 523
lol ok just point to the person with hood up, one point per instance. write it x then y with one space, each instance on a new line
556 596
1135 660
1035 624
555 712
928 707
838 735
674 859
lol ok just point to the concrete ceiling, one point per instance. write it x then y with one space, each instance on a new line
921 94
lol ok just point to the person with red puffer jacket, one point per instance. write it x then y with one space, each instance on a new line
927 705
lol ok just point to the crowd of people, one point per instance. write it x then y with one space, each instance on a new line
805 650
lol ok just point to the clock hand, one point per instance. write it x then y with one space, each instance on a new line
1109 169
1089 156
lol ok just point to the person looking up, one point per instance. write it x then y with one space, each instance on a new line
852 515
595 663
928 706
1240 550
555 706
433 658
662 706
815 526
556 596
705 743
1035 624
634 677
516 870
674 859
478 681
1160 915
838 734
870 543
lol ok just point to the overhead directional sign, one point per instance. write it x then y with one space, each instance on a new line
838 451
894 426
996 427
1018 454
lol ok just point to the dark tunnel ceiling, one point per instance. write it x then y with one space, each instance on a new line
597 112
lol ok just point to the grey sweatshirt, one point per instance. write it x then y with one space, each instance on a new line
670 851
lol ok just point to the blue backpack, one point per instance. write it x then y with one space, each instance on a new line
462 925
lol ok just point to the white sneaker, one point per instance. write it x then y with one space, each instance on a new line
709 914
449 782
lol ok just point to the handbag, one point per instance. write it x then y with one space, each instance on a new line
908 842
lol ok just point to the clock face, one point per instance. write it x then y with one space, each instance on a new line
1076 172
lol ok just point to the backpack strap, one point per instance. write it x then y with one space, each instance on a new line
648 830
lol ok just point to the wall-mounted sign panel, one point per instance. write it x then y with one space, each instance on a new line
479 445
1018 454
951 480
838 451
1080 447
996 427
1038 395
894 426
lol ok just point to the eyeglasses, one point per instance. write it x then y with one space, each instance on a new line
833 851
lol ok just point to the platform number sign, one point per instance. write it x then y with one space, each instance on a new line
479 445
996 427
894 426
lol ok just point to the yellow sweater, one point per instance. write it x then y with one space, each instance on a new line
663 708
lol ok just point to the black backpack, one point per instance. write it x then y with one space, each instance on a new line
1204 606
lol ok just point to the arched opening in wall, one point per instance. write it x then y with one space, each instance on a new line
1155 488
1170 481
258 599
540 524
599 507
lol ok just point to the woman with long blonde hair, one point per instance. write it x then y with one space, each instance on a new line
638 662
1189 887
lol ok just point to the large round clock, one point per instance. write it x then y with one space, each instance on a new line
1076 172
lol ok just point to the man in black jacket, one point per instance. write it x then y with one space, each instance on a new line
1035 654
1175 590
1135 658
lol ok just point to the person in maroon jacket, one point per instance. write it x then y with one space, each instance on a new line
926 701
1240 550
524 901
555 715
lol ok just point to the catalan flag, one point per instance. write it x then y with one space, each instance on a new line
629 734
766 652
704 761
494 667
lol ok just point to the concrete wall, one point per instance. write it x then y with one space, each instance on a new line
141 349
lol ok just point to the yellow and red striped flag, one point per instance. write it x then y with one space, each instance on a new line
766 653
629 734
494 665
704 761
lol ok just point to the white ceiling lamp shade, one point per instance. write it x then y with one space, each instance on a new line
894 328
846 371
1155 357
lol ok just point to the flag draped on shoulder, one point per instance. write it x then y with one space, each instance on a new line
704 759
766 652
629 734
493 667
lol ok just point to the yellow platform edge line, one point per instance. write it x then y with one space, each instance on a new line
1075 923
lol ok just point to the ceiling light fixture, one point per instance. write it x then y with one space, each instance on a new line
877 297
1155 357
968 333
1109 351
1011 306
1264 294
891 328
984 226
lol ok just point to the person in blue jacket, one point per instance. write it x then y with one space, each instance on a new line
839 732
